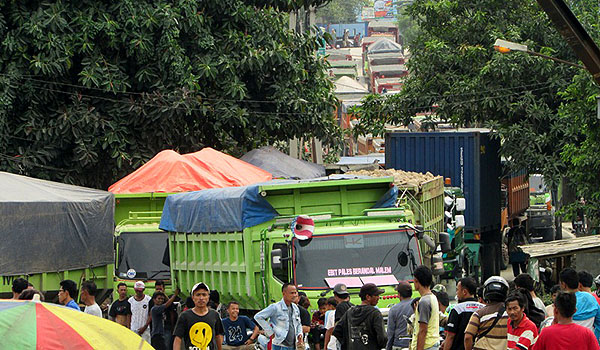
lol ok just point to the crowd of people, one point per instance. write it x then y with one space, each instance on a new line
496 315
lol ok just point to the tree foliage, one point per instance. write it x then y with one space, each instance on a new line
340 11
89 90
544 112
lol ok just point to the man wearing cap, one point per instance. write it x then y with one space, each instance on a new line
426 334
340 292
342 297
199 327
139 311
361 328
398 315
281 321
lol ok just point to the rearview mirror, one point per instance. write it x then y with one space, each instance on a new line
445 242
461 204
276 255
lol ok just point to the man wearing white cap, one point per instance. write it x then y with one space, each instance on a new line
139 311
200 327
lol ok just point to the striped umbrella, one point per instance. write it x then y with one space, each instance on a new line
29 325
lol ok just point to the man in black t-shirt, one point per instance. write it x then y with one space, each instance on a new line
199 327
340 292
120 310
461 314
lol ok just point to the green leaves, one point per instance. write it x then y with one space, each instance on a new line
544 112
94 89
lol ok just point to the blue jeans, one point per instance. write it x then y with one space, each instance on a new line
279 347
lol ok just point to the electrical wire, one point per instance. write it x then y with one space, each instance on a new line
28 77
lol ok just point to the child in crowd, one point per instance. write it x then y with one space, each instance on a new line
158 318
317 324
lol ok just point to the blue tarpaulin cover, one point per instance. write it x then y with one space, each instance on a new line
216 210
235 208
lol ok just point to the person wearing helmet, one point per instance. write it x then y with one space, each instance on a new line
487 328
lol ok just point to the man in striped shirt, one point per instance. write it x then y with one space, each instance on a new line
522 333
487 327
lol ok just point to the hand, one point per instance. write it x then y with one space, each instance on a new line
177 291
250 341
141 330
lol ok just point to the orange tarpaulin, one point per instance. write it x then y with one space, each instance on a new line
171 172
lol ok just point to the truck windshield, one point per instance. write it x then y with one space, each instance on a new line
357 255
144 255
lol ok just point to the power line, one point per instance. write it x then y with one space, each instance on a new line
28 77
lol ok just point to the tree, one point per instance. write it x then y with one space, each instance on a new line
406 26
529 102
90 90
340 11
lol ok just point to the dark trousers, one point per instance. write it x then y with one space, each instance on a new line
158 342
519 266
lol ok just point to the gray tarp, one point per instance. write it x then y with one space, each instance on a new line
384 46
49 226
283 166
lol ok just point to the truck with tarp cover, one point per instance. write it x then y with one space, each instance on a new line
239 240
52 232
141 247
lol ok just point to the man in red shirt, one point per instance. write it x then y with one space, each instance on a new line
565 334
522 333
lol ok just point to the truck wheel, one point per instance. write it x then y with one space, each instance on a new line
505 254
548 235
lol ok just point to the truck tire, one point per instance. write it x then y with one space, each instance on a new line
504 249
548 234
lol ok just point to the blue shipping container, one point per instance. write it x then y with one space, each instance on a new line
469 157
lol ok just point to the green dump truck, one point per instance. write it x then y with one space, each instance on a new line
239 241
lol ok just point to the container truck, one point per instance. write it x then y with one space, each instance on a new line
239 240
470 159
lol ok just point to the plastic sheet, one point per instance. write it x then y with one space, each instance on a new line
216 210
170 172
280 165
235 208
384 46
49 226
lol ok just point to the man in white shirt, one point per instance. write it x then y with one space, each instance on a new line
88 297
139 311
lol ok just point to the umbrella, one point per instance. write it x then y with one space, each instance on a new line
36 325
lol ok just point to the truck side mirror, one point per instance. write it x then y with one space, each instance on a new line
459 220
403 259
445 242
276 263
461 204
420 231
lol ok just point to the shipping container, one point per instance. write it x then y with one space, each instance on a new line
469 157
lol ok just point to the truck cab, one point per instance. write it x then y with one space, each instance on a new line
383 251
141 252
